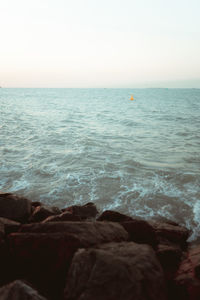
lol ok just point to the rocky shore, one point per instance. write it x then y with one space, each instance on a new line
78 254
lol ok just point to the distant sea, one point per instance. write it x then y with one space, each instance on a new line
73 146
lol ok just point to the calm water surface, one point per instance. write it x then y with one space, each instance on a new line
72 146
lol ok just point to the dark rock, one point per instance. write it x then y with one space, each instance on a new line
187 282
14 207
113 216
18 290
141 232
2 231
8 226
115 271
65 216
170 257
40 213
88 232
87 211
43 259
42 252
197 270
173 233
4 263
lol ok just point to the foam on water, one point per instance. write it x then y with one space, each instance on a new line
72 146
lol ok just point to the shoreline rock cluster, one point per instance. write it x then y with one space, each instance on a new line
78 254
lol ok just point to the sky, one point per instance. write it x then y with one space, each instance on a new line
100 43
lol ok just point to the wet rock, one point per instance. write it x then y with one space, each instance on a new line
18 290
65 216
187 282
113 216
173 233
115 271
87 211
14 207
42 252
141 232
40 213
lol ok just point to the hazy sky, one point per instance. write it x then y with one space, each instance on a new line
99 43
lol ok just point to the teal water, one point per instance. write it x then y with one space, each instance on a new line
72 146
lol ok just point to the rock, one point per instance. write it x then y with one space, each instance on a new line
87 211
187 282
88 232
14 207
2 231
169 256
18 290
115 271
141 232
8 225
65 216
173 233
4 263
40 213
42 252
113 216
43 259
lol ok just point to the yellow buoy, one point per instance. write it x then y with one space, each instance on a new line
131 97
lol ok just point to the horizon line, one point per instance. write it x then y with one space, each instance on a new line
45 87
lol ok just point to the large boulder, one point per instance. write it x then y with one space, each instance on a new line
172 233
87 211
141 232
172 242
87 232
14 207
169 255
42 252
6 271
8 226
115 271
187 280
42 212
18 290
2 231
43 259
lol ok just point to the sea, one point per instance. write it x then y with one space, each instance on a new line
73 146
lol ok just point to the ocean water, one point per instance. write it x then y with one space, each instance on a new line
72 146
